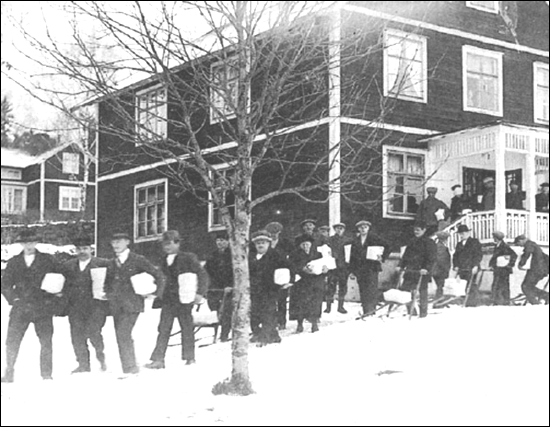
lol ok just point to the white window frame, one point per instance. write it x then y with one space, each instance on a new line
390 32
11 174
498 56
537 103
5 206
63 190
222 116
211 208
71 163
154 183
493 9
386 196
161 119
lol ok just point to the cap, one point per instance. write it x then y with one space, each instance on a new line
520 238
274 227
120 235
545 184
324 227
488 179
261 235
171 236
305 221
420 224
463 228
340 224
513 183
442 235
431 189
454 187
363 222
498 235
27 236
304 238
82 240
220 235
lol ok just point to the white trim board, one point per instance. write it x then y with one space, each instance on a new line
62 181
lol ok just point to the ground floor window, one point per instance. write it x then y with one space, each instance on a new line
151 205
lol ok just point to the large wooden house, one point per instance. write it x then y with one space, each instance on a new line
462 87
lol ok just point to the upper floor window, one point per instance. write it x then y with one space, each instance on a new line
224 90
150 211
404 176
152 114
540 91
13 199
13 174
486 6
225 174
70 199
482 80
71 163
405 66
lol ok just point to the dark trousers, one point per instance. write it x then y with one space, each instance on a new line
473 294
226 315
529 287
368 290
501 286
182 312
337 279
263 317
411 283
124 325
17 326
282 303
87 325
440 284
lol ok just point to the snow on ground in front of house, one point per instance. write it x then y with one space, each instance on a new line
459 366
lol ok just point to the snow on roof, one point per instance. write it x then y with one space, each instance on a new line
16 159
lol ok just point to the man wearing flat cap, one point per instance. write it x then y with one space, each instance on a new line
22 288
338 278
87 314
537 271
125 304
466 261
432 211
488 199
309 229
366 270
541 199
502 262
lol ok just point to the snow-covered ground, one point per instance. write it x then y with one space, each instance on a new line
475 366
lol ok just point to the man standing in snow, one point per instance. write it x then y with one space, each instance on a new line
466 261
338 278
537 271
502 262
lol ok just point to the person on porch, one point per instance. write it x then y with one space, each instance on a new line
541 199
502 262
514 199
432 211
460 203
488 199
537 271
466 261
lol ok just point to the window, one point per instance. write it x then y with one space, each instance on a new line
541 92
70 199
486 6
224 90
151 114
215 222
405 66
71 163
14 199
13 174
151 205
482 81
404 178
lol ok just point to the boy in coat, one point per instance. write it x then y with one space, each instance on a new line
176 263
537 272
338 278
87 315
442 265
466 261
501 274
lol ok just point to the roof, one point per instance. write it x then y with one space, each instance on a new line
16 159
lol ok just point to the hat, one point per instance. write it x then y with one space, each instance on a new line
499 235
488 179
274 227
463 228
261 235
520 237
431 189
83 240
305 221
454 187
304 238
340 224
120 235
26 236
513 183
442 235
545 184
171 236
324 227
363 222
221 235
420 224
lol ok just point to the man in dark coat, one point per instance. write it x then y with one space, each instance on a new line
175 264
283 247
308 227
537 271
514 199
366 270
442 265
263 290
501 273
418 262
125 304
338 279
87 315
466 261
22 288
488 199
541 199
220 293
459 203
431 211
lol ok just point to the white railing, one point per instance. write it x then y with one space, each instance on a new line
520 140
543 235
482 225
516 223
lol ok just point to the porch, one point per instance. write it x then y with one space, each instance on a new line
508 153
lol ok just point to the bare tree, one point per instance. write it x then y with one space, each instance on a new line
257 91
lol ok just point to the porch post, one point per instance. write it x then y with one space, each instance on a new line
531 191
500 182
